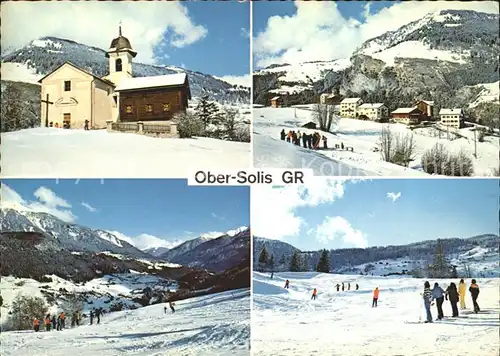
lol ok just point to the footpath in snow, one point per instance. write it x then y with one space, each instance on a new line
51 152
288 322
363 136
217 324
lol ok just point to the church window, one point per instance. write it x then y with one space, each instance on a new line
166 107
118 64
128 109
149 108
67 85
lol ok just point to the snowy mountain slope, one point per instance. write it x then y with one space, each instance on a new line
215 254
156 251
282 319
489 93
276 248
478 253
218 324
138 155
189 245
433 58
364 137
45 54
71 236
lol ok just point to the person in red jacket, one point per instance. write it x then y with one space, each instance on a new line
313 297
375 297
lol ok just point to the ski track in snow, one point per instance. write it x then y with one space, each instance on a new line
51 152
217 324
270 152
287 322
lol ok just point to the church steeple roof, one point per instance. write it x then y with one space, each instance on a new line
121 44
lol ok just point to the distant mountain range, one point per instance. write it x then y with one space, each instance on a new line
450 56
473 250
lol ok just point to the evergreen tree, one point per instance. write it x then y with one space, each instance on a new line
207 111
304 263
282 260
295 264
263 257
324 262
271 262
440 268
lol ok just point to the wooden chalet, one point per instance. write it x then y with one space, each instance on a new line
277 102
426 107
155 98
408 115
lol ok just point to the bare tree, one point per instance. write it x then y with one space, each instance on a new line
325 116
397 148
460 165
386 143
188 125
438 160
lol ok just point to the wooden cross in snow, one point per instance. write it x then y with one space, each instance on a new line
47 103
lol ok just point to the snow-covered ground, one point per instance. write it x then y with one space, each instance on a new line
288 322
363 136
217 324
51 152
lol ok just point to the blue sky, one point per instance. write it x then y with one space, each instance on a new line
211 37
300 31
381 212
168 209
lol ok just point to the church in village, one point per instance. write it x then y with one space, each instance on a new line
72 96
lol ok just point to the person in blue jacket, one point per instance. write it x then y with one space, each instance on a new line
438 295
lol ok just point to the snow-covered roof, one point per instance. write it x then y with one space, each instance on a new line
152 82
350 100
428 102
371 106
450 112
403 110
276 98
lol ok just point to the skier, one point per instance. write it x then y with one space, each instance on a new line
272 275
342 286
474 293
338 287
289 136
305 139
36 325
427 295
462 287
357 287
98 313
171 305
375 297
325 145
54 322
313 297
59 323
47 323
165 310
63 320
349 286
282 135
438 295
287 284
453 296
73 319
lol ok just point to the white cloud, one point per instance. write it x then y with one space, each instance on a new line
337 227
245 32
46 202
244 80
89 207
96 23
318 31
273 209
393 196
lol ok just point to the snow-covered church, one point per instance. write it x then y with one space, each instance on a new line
71 95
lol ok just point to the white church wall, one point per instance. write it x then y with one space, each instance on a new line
102 104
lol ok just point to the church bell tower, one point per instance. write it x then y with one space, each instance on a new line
120 54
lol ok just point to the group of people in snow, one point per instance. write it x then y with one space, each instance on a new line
66 125
452 294
315 291
311 141
58 322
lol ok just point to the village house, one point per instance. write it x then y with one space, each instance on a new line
408 116
451 117
349 107
72 96
277 102
427 108
377 111
330 99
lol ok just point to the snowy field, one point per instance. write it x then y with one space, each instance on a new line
217 324
363 136
58 153
287 322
